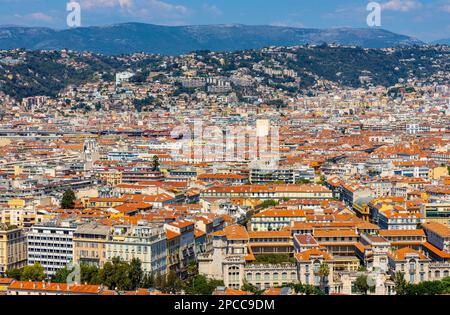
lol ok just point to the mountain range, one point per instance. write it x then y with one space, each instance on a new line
174 40
444 41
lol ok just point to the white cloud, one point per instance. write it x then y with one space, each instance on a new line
39 16
212 9
93 4
401 5
142 9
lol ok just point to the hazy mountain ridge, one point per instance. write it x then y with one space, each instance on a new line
174 40
444 41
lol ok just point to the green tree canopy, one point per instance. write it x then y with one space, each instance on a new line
33 273
68 200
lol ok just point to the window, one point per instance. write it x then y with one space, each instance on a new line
233 274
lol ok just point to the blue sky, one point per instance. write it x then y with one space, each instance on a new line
424 19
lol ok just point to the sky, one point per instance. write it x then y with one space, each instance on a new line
424 19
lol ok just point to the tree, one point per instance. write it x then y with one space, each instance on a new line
149 280
173 283
200 285
14 273
159 281
306 289
427 288
268 203
90 274
115 275
33 273
61 275
68 200
323 273
136 273
362 285
400 283
248 287
155 163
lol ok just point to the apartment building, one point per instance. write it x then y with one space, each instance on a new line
90 244
275 219
437 212
373 251
227 259
284 175
308 266
273 242
405 238
393 220
13 248
412 263
337 242
51 245
146 242
265 192
180 245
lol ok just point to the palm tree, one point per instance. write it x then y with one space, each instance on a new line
323 273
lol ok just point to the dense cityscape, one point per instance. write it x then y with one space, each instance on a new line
251 172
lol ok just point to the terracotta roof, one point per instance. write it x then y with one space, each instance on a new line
263 234
280 213
55 287
439 229
306 255
6 280
402 233
335 233
233 232
436 251
402 253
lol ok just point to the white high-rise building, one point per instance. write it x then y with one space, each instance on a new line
51 245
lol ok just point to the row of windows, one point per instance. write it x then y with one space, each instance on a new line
269 240
41 245
271 276
49 238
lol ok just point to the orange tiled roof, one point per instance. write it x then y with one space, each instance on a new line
400 254
55 287
234 232
438 229
306 255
